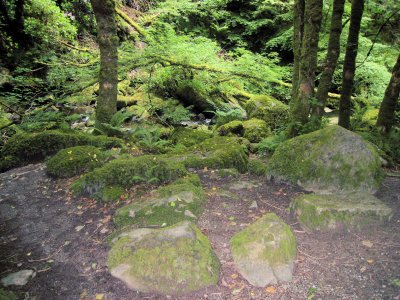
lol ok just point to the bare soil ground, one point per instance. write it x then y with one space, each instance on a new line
62 238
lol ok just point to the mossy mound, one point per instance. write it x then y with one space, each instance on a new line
74 161
217 153
370 117
254 129
189 137
267 108
324 212
24 148
257 167
7 295
125 173
171 261
329 160
170 204
265 251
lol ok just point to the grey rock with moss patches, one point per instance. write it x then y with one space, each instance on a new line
325 212
171 261
19 278
264 252
327 161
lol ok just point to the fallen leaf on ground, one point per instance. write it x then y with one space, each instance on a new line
234 276
367 243
270 290
370 261
99 296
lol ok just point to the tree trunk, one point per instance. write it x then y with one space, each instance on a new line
298 31
331 58
104 11
300 104
349 66
386 117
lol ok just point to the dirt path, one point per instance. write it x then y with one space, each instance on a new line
41 229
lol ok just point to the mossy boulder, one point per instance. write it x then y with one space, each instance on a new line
24 148
126 172
74 161
265 251
257 167
170 204
350 210
267 108
189 137
329 160
171 261
217 153
254 129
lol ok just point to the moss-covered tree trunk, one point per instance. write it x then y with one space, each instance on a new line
300 104
331 59
104 11
386 117
349 66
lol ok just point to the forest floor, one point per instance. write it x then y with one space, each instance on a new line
62 238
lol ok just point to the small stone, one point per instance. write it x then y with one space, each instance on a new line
19 278
79 228
242 185
253 205
189 214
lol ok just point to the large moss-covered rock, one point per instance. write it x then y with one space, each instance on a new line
176 260
264 252
328 160
24 148
189 137
74 161
170 204
267 108
125 173
217 153
324 212
254 129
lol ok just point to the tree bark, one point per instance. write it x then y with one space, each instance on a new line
304 88
386 116
349 66
104 11
298 31
331 58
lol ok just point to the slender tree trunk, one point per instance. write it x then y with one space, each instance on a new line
298 31
104 11
300 104
386 117
349 66
331 58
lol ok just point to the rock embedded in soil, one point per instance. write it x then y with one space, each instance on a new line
19 278
265 251
326 161
354 210
175 260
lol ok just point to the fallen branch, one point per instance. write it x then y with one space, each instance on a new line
135 25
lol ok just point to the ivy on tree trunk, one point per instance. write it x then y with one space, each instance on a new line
349 65
386 116
104 11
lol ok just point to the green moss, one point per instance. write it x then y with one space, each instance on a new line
268 109
74 161
167 205
127 172
189 137
257 167
109 193
271 236
172 261
231 128
27 147
330 159
7 295
254 129
353 210
227 172
370 117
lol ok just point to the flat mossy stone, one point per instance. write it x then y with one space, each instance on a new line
126 172
74 161
351 210
32 147
174 261
265 251
109 194
329 160
168 205
254 129
189 137
268 109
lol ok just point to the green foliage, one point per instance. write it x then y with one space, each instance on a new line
150 139
7 295
189 137
225 116
74 161
269 144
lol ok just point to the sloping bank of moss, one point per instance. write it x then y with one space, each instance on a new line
170 204
24 148
125 172
329 160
